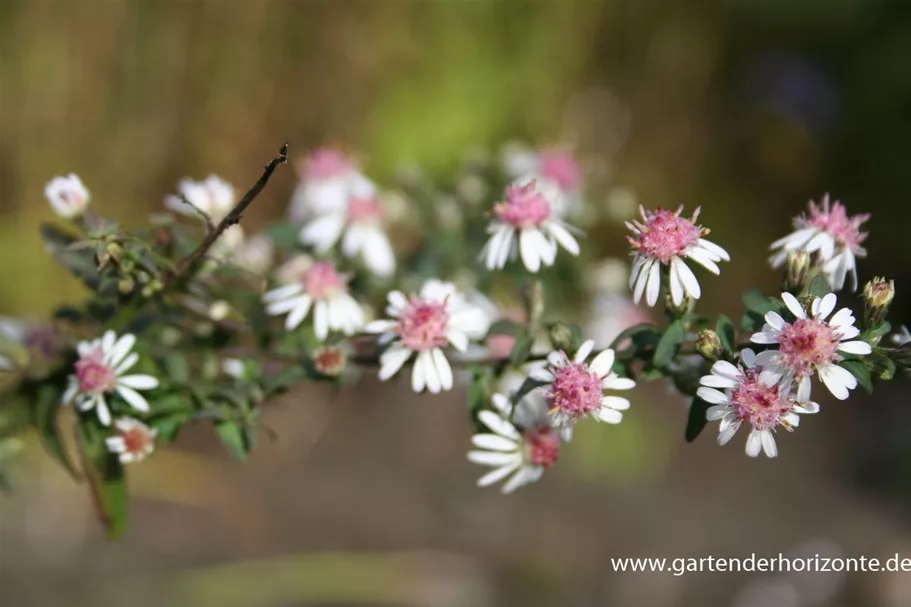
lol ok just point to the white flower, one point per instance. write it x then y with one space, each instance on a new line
320 287
99 374
829 233
359 224
902 337
134 440
576 388
424 324
739 395
68 196
327 179
527 219
524 449
214 197
666 238
810 345
255 255
555 165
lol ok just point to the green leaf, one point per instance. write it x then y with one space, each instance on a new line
669 344
285 235
756 305
504 326
169 425
106 478
521 350
725 330
860 371
876 333
178 369
80 262
819 287
232 436
696 421
47 411
527 386
753 298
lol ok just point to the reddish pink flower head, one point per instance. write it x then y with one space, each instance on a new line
543 446
322 280
664 235
94 375
576 390
326 163
524 207
562 167
807 343
423 324
833 219
765 407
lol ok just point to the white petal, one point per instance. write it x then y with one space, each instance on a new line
764 337
676 283
725 435
638 265
748 357
771 375
392 360
139 382
653 288
282 293
493 458
726 369
612 382
492 249
120 350
127 363
690 284
418 381
133 398
115 444
602 363
718 381
768 443
610 416
793 305
615 402
498 474
714 249
320 320
642 280
458 339
838 380
716 412
562 236
704 259
541 374
825 307
378 254
584 350
803 389
380 326
107 341
844 317
443 369
754 443
848 332
499 425
855 347
494 442
807 408
507 246
524 476
323 232
528 250
775 320
713 396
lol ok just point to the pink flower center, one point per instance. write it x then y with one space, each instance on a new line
576 391
365 209
759 404
834 221
326 163
665 234
93 375
562 168
423 324
321 280
524 206
542 446
807 343
137 440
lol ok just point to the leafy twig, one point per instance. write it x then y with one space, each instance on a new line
205 216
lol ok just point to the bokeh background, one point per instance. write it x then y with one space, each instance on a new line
747 108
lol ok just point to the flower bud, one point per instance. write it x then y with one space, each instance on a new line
675 311
878 295
562 337
219 310
115 251
126 285
797 270
329 361
68 196
708 344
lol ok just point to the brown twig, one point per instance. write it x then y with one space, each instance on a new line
191 263
210 226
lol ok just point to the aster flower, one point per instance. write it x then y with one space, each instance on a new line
738 394
100 374
528 219
556 170
810 344
359 224
327 179
576 388
523 449
213 196
133 442
664 238
901 337
834 237
423 325
68 196
321 287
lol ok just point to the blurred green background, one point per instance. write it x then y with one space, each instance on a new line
745 107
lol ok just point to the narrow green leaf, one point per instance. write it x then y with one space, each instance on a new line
860 371
725 330
877 332
696 421
669 344
47 411
527 386
753 298
521 350
232 436
106 478
504 326
819 287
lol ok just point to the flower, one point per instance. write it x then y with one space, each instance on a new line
359 224
738 394
255 255
68 196
666 238
134 440
212 198
576 388
323 288
832 235
328 177
99 373
424 324
901 337
524 450
527 216
810 344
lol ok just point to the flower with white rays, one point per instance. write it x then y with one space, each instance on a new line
738 394
523 449
327 179
100 374
212 198
359 224
576 388
134 440
664 238
68 196
810 344
901 337
424 324
526 221
321 287
832 235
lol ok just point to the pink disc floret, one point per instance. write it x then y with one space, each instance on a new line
137 440
562 167
576 390
762 406
423 324
321 280
94 375
524 207
326 163
808 343
542 446
663 235
365 209
833 219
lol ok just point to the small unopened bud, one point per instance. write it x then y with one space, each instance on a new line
562 337
219 310
797 270
878 295
329 361
126 285
678 310
708 344
115 251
